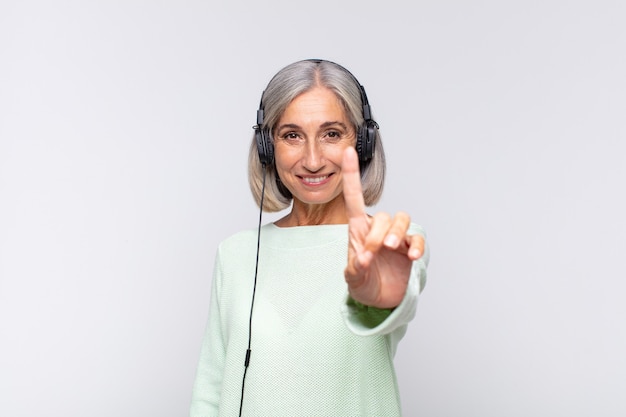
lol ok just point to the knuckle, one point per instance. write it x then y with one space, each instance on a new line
403 217
419 241
382 217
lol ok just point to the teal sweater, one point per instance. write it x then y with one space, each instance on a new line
315 352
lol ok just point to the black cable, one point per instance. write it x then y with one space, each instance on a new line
256 270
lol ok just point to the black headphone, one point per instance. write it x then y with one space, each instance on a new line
366 133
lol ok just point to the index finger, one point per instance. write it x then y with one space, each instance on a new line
352 189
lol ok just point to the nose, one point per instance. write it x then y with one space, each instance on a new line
313 158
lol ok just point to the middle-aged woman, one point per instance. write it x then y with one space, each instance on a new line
312 329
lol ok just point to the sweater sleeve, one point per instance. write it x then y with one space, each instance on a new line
208 383
363 320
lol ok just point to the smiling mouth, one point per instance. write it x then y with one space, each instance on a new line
314 180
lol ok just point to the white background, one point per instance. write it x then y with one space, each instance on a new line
124 128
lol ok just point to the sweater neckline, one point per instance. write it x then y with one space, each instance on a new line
302 236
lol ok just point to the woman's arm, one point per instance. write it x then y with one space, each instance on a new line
208 384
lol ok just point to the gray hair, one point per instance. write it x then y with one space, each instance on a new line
286 85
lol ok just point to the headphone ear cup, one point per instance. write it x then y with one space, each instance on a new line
366 140
265 146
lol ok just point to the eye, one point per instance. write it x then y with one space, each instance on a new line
332 136
292 137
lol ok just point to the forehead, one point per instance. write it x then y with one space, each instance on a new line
317 102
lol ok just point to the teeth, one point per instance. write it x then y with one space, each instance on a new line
315 180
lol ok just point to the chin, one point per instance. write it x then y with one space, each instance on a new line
316 200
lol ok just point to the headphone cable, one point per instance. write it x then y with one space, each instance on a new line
256 270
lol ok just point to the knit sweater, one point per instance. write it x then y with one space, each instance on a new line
315 352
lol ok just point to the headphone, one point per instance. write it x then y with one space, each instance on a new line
366 132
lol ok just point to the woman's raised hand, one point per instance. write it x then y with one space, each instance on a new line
380 252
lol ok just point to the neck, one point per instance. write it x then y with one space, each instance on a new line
303 214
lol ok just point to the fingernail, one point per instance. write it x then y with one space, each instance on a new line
415 253
391 241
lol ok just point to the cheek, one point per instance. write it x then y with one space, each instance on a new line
334 153
283 160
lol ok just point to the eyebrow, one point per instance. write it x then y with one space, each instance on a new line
322 126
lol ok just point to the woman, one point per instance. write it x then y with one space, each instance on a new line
313 332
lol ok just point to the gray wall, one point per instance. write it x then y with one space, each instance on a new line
124 129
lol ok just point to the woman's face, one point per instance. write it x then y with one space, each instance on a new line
309 141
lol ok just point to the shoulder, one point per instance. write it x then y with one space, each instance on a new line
242 241
243 236
246 240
